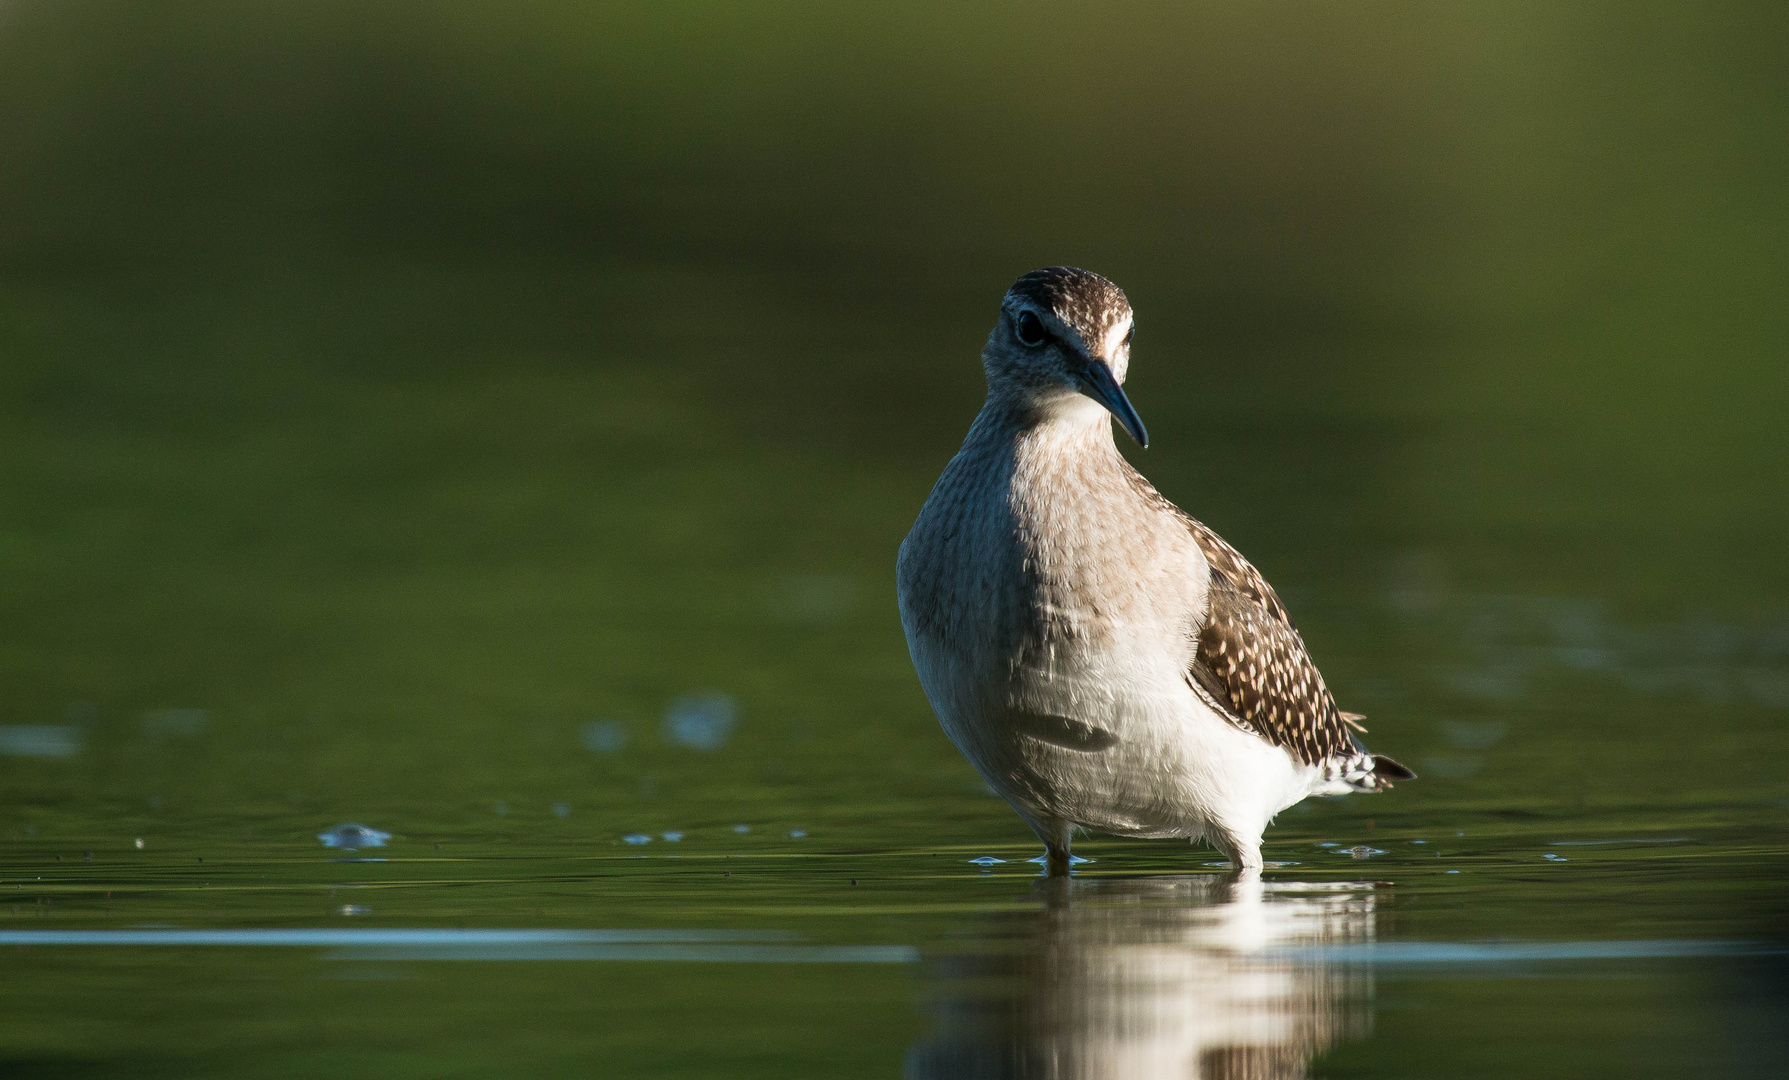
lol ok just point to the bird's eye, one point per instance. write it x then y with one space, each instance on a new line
1031 330
1129 334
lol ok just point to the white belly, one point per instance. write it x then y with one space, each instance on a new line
1108 745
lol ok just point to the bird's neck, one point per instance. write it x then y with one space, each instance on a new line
1059 501
1065 431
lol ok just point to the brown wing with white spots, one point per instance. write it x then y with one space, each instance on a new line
1253 663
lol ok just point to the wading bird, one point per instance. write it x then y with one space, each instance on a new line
1106 661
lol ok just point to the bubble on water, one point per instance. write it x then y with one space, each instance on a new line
1361 851
562 809
349 835
1327 843
354 909
1550 857
1453 871
139 843
797 834
636 838
703 721
987 860
40 740
742 829
1419 841
603 736
671 837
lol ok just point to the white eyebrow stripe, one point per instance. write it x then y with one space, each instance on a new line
1115 336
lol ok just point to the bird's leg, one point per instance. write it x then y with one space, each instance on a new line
1055 835
1244 854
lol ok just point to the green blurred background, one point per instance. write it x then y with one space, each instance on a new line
406 383
391 391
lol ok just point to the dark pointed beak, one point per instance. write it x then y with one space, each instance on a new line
1098 383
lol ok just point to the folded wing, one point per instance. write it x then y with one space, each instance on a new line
1253 665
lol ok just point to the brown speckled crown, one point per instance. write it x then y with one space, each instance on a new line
1080 298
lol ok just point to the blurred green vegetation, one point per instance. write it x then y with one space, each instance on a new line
435 377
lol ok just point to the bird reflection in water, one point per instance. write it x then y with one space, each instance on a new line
1125 979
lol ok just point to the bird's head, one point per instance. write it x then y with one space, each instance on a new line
1064 337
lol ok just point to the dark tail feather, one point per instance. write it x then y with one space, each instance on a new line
1386 769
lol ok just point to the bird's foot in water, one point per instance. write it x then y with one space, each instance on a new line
1244 856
